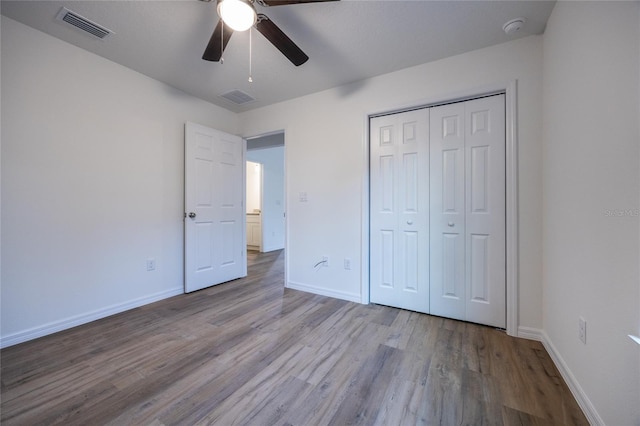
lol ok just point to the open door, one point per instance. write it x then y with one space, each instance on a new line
214 221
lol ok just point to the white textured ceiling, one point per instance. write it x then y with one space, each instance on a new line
346 41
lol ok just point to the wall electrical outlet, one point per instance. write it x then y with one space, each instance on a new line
347 264
151 264
582 330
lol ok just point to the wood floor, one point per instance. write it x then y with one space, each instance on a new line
253 353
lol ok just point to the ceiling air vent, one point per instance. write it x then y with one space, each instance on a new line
83 23
238 97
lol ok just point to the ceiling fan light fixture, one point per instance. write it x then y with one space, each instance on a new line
240 15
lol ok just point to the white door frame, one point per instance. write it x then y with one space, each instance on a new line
509 88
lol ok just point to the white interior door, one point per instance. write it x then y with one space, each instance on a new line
399 241
468 259
447 266
214 214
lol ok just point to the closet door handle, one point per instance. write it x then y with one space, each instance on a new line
451 224
409 222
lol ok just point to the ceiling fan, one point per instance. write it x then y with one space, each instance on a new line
240 15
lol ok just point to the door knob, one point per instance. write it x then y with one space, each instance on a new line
451 224
192 215
409 222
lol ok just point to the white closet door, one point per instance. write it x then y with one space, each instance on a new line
485 211
400 210
447 271
468 211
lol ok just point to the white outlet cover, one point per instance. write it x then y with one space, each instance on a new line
582 330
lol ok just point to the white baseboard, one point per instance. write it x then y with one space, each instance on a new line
530 333
271 248
351 297
578 393
55 326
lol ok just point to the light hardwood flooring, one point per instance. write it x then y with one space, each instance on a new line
253 353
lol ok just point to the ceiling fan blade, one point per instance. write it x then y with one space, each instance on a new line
214 49
286 2
280 40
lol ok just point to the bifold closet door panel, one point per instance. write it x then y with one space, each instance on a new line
447 245
399 210
485 194
467 263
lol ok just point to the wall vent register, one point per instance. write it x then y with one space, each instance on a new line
238 97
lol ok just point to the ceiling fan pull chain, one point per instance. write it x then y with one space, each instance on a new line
222 43
250 39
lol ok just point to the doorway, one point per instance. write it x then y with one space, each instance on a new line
265 204
254 205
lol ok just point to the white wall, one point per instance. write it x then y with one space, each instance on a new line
273 200
591 176
326 160
254 186
92 184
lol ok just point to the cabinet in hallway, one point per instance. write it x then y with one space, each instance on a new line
254 231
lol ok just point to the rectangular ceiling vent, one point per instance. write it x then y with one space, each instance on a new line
78 21
238 97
